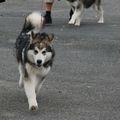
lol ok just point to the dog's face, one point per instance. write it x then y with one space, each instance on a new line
40 50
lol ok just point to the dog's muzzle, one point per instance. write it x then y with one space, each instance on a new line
39 63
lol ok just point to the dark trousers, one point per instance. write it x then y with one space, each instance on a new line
2 1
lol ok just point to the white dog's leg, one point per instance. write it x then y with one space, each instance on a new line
95 8
30 93
76 17
39 86
21 72
100 13
78 20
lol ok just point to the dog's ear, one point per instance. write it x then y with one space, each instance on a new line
51 37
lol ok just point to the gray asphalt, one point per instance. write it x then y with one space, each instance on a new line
84 83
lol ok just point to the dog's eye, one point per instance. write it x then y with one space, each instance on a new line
35 51
44 52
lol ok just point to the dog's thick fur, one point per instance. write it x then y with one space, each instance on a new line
35 54
77 7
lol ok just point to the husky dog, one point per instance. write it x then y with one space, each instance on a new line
35 54
77 8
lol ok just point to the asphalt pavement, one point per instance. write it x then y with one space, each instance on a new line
84 83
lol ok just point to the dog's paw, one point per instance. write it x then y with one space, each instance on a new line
71 22
33 108
77 24
101 21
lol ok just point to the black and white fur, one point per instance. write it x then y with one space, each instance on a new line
78 7
35 54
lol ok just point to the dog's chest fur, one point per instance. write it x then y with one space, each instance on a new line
35 71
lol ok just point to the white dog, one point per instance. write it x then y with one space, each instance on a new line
35 54
77 8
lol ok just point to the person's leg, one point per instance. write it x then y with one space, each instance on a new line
48 9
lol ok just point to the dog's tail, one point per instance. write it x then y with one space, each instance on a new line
33 21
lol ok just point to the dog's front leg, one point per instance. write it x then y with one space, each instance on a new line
73 18
30 93
76 17
101 14
39 85
79 16
21 72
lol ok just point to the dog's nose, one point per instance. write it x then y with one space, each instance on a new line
39 62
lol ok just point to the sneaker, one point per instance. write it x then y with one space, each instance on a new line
48 19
